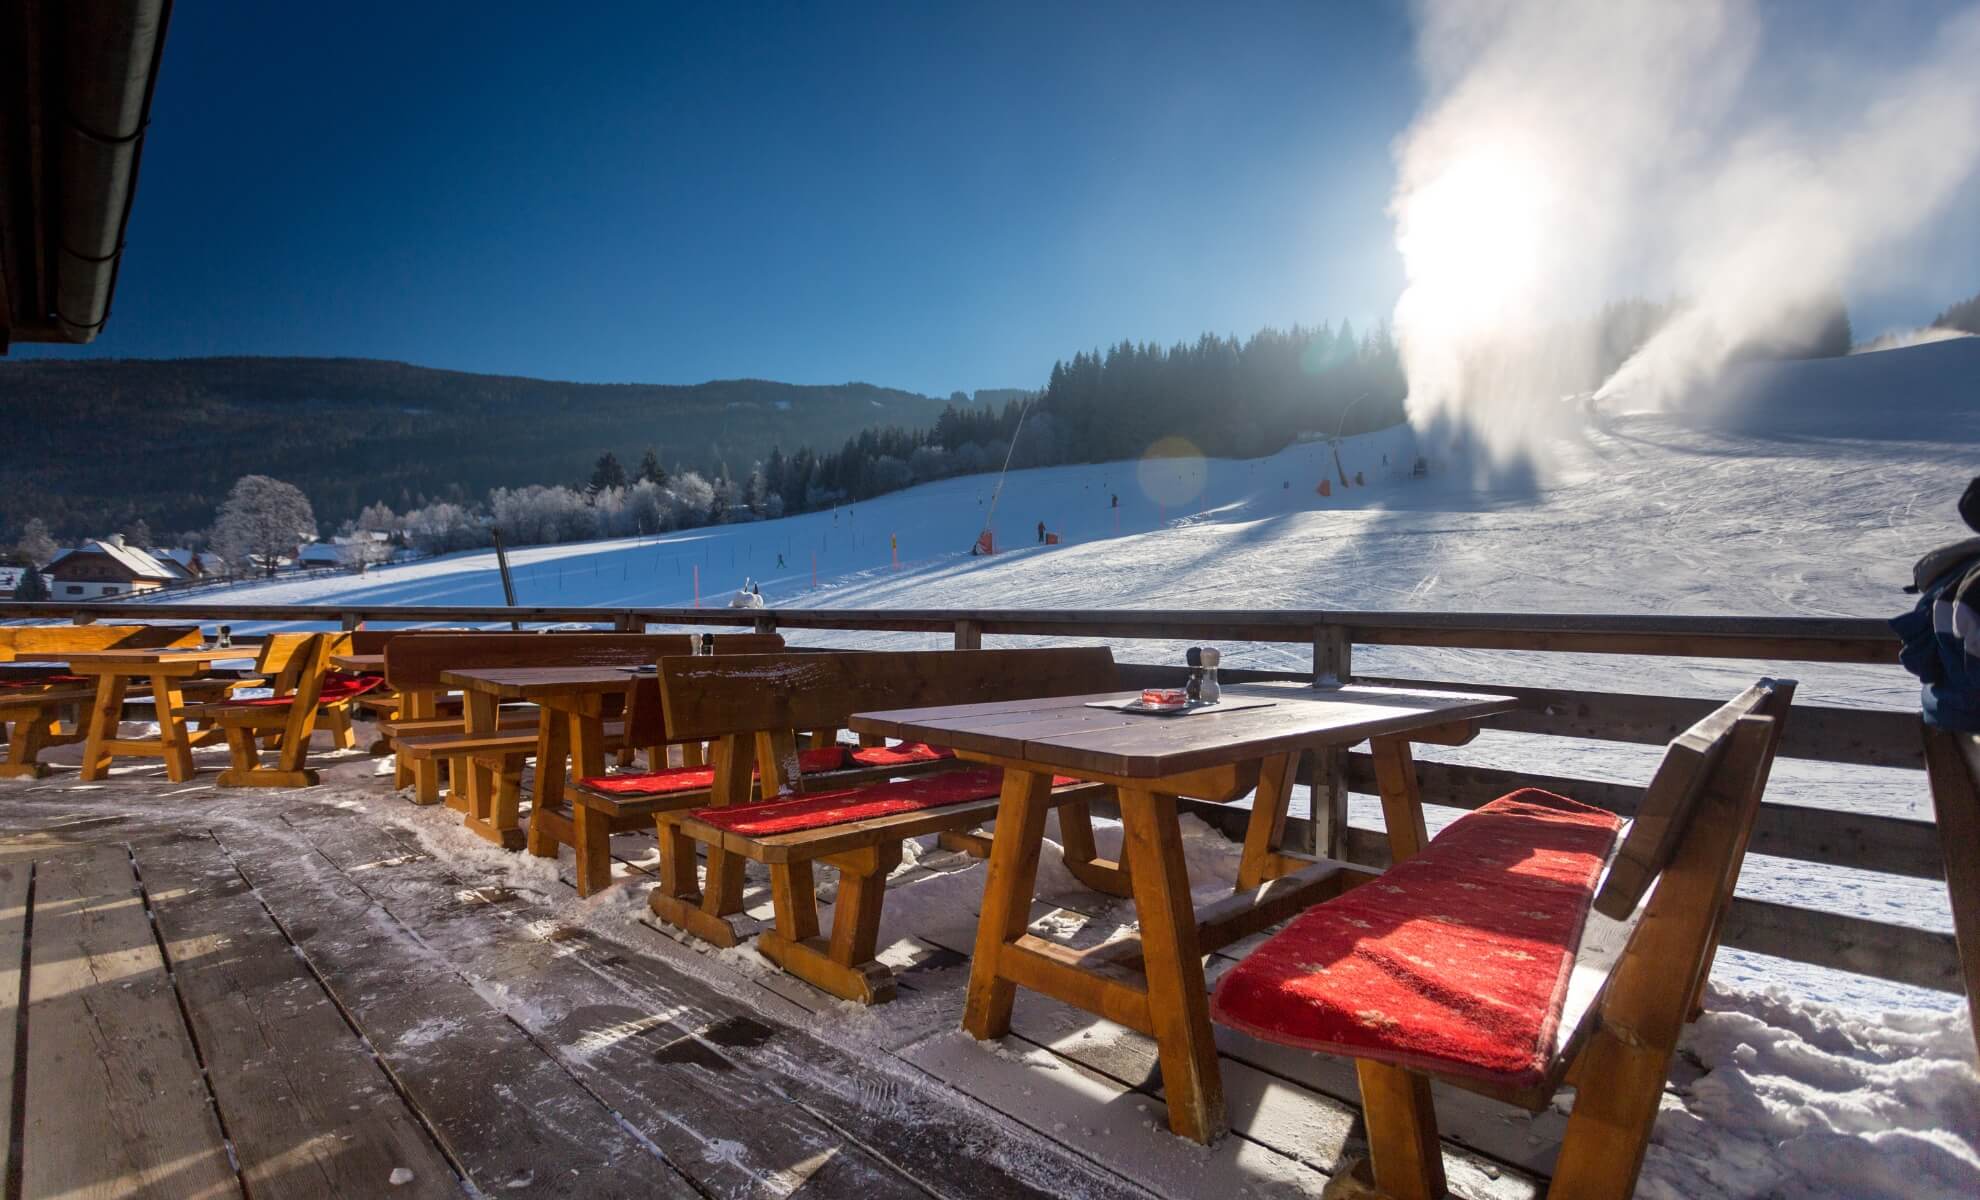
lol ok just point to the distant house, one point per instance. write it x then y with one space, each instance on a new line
106 567
321 554
196 564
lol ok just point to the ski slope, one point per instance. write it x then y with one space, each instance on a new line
1799 489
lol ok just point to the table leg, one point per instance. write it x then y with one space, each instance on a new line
1082 857
104 715
1402 803
177 751
1178 1002
423 774
589 827
553 746
1007 891
471 780
33 731
1268 821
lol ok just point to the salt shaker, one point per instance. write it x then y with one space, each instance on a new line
1207 689
704 643
1193 686
226 637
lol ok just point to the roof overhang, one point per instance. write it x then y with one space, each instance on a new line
75 94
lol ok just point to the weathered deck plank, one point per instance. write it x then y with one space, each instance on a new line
674 1088
741 1071
310 1113
15 878
115 1103
508 1115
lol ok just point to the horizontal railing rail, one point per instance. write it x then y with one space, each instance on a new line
1895 846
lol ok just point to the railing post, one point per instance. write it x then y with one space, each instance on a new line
351 620
969 635
766 624
627 622
1326 770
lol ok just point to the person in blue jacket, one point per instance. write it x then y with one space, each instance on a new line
1941 635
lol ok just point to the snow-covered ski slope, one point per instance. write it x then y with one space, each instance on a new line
1804 489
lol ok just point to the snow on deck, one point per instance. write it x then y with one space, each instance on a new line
553 1045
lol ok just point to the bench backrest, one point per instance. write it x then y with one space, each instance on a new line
1691 764
372 641
31 642
414 663
715 697
285 658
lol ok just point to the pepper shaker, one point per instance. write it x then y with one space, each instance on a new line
1207 687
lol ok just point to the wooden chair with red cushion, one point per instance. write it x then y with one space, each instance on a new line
304 689
1527 947
764 808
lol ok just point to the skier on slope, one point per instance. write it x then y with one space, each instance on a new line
1941 635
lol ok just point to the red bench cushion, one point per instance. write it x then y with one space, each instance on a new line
43 681
700 779
818 810
901 754
337 687
1455 962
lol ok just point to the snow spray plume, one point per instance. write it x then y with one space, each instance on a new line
1570 154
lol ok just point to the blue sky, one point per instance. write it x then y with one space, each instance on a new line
926 196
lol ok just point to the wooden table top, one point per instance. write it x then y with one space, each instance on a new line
84 662
358 662
1061 732
536 683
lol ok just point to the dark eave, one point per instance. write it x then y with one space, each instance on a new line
76 82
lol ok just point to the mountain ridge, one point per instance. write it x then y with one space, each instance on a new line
350 431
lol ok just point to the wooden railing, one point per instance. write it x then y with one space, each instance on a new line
1819 733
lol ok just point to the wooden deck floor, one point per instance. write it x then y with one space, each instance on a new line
331 993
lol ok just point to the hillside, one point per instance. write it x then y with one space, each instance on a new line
353 431
1799 501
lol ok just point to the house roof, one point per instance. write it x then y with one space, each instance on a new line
132 559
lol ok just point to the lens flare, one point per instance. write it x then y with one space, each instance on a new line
1171 472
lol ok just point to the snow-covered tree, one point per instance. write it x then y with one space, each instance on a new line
695 496
261 520
35 544
379 518
442 528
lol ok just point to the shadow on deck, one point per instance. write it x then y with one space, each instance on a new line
333 993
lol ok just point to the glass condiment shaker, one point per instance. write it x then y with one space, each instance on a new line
1207 688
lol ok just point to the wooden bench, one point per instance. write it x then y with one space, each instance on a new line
31 712
1526 947
628 803
751 707
414 662
30 643
36 717
305 692
1952 763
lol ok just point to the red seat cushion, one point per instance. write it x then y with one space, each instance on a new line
699 779
337 687
790 814
1455 962
43 681
900 754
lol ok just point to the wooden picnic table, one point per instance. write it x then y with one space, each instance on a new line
571 725
166 670
1155 983
359 664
